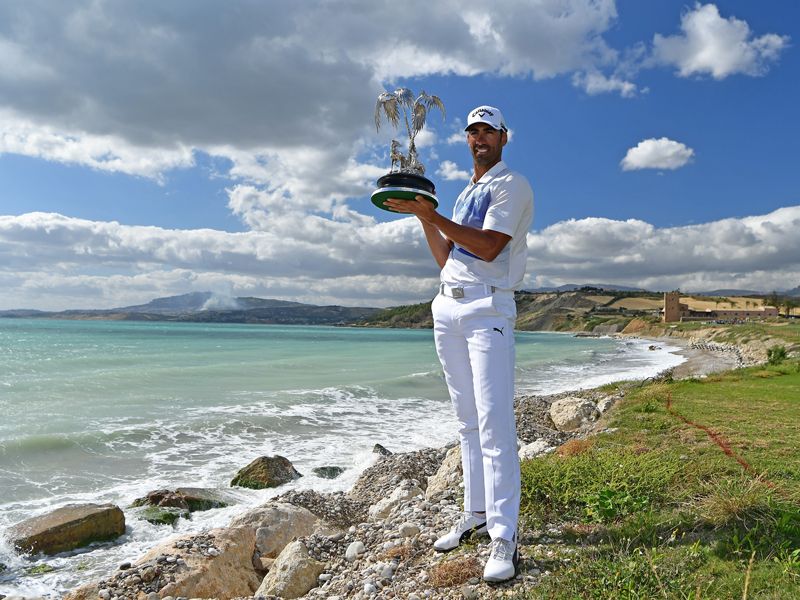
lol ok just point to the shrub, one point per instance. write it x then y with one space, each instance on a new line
776 355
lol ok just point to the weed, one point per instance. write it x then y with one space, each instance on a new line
454 572
610 504
575 447
776 355
598 484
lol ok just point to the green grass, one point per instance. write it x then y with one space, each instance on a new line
656 509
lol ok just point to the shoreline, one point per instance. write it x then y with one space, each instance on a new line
698 362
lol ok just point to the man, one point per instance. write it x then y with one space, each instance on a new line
482 253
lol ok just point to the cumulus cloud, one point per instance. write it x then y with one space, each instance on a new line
449 170
758 252
50 261
710 44
594 82
661 153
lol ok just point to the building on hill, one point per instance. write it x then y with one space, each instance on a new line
675 311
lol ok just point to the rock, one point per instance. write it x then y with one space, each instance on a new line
293 574
266 472
571 413
448 476
265 564
354 550
378 481
378 449
408 530
186 498
534 449
382 508
605 403
196 572
69 527
276 525
162 515
328 472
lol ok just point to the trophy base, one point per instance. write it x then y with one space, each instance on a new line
400 193
403 186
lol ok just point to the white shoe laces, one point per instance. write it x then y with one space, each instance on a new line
502 549
462 521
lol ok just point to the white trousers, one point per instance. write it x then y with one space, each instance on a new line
475 342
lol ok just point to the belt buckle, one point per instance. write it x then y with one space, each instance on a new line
458 292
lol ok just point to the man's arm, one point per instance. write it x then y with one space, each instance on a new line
439 245
483 243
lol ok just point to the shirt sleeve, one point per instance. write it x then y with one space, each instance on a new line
510 201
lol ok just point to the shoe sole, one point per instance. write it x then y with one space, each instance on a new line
479 530
515 561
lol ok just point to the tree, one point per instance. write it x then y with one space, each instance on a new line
773 299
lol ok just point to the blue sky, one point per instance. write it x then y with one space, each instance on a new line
151 149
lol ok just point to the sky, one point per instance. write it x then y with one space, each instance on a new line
157 148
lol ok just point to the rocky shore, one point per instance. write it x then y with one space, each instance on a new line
374 541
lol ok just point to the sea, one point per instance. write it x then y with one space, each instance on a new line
106 411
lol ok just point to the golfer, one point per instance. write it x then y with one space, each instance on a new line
482 253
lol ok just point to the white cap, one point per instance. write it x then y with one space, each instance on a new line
489 115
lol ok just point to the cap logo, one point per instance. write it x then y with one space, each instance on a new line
482 112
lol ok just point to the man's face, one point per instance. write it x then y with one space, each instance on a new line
485 143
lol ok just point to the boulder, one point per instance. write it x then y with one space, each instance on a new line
186 498
448 476
378 449
572 413
605 403
216 564
266 472
69 527
534 449
292 574
276 525
162 515
328 472
382 508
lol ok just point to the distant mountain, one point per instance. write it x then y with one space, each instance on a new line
207 307
793 291
571 287
730 292
200 301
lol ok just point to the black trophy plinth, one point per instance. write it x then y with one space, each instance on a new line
403 186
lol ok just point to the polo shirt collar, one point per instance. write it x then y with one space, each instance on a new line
491 173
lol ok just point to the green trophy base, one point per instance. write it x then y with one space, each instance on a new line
403 186
381 195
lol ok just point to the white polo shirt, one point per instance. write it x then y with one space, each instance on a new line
502 200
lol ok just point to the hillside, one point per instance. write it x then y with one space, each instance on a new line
206 307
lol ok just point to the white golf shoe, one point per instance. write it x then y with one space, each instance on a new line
503 563
466 525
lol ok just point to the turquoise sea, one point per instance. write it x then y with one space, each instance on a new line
105 411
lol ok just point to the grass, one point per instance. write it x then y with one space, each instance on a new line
658 509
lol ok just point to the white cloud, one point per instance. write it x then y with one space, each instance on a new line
760 252
712 45
49 261
661 153
457 137
102 152
449 171
594 82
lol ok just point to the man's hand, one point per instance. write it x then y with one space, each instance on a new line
419 207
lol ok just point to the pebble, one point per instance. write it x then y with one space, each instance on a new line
353 550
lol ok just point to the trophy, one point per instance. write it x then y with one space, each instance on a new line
406 178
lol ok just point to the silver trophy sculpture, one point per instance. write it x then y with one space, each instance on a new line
406 178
